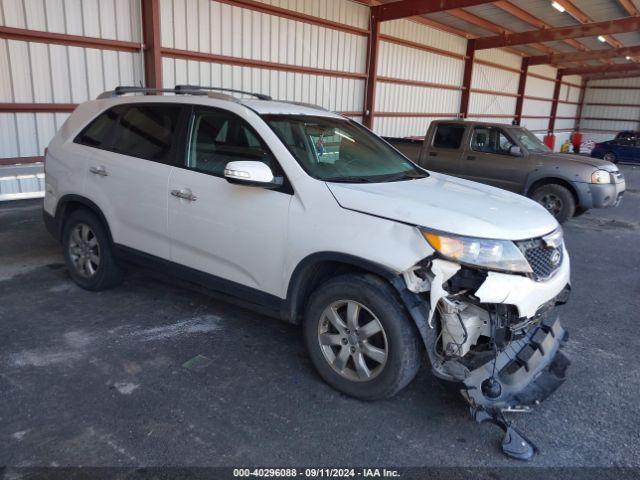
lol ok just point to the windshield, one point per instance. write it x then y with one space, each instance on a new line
339 150
529 141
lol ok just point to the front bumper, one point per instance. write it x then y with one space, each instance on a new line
594 195
528 370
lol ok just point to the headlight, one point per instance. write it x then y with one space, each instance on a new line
600 176
482 252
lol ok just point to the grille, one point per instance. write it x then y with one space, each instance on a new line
541 257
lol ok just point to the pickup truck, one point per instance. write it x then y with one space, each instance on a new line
512 158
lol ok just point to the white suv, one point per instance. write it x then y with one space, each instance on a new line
310 217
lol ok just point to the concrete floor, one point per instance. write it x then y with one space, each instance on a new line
99 379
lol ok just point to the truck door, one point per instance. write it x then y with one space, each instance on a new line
443 148
490 159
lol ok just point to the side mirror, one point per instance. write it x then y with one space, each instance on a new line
515 151
251 173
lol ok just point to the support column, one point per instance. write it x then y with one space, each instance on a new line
152 43
554 103
466 79
583 92
522 84
372 70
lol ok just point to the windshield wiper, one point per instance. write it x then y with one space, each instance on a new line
351 179
405 176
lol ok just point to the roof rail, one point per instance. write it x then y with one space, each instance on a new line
123 90
195 88
310 105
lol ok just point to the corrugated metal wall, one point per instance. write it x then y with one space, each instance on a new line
436 74
610 106
33 72
300 57
222 29
493 89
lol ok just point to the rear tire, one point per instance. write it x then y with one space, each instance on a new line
557 199
88 252
610 157
378 338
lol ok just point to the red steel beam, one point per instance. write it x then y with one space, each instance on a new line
372 70
247 62
619 67
37 107
466 78
629 7
491 27
26 35
298 16
582 17
622 25
580 105
607 75
410 8
581 56
522 84
526 17
152 50
554 104
20 160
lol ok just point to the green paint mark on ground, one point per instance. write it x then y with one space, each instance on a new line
197 363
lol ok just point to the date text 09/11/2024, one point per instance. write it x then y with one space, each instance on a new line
317 472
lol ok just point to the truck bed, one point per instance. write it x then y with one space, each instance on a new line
410 147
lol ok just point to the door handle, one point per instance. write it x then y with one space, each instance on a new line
184 194
471 157
433 154
99 171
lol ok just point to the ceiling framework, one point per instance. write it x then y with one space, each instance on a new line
567 39
561 58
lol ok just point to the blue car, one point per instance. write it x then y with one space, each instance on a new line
621 149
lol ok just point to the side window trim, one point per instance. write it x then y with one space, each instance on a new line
188 142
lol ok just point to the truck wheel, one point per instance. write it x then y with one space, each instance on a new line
557 199
360 338
88 253
610 157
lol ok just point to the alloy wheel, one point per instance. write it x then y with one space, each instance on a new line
84 250
353 340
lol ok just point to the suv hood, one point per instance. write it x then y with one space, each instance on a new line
566 158
449 204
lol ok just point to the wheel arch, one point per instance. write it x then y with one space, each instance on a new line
550 181
316 269
72 202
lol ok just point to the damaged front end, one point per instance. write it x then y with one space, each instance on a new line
495 336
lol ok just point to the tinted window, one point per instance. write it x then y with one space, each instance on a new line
147 131
490 140
448 136
220 137
98 132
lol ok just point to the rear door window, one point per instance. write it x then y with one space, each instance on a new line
448 136
147 132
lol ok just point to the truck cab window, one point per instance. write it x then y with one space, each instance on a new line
448 136
491 140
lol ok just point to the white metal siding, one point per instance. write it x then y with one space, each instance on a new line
33 72
339 94
407 63
622 111
494 79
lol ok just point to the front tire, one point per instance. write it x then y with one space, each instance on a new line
557 199
360 338
88 252
610 157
